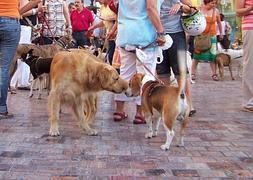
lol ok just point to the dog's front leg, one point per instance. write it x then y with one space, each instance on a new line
78 109
169 138
31 88
54 110
230 70
149 133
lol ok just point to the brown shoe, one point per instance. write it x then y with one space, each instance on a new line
6 115
248 109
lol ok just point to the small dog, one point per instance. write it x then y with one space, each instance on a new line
236 58
222 60
38 67
161 102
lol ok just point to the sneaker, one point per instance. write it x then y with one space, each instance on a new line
6 115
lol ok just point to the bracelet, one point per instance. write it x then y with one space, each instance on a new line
34 11
160 34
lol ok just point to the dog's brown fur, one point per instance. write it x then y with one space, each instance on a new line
160 101
43 51
76 77
221 61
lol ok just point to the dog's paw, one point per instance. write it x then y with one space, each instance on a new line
165 147
54 131
155 134
149 135
92 132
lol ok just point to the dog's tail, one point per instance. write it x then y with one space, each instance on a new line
182 60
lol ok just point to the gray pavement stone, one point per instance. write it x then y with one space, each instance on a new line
218 141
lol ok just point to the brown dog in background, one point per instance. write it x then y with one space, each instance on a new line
76 78
221 61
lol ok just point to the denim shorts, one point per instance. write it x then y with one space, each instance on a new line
171 56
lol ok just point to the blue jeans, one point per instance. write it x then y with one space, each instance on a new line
9 38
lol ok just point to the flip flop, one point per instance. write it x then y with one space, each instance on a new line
192 112
215 77
119 116
139 120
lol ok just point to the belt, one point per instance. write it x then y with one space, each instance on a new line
7 19
80 31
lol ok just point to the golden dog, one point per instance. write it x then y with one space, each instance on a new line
76 77
161 102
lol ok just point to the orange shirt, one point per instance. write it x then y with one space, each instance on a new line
210 21
9 8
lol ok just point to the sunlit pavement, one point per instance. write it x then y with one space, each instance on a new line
218 141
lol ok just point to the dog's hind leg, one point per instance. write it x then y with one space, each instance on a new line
168 119
184 123
148 118
230 70
156 124
40 86
54 110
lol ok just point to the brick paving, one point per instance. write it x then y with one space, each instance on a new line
218 142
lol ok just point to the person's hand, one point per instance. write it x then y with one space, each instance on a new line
111 35
69 30
220 37
160 39
91 28
175 9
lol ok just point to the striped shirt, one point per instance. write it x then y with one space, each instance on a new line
55 25
247 21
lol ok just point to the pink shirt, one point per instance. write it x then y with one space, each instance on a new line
81 21
247 21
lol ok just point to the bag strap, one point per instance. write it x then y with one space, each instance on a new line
209 30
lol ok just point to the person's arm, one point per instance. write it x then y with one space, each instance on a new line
33 11
154 16
184 5
155 19
218 20
98 25
28 6
241 10
66 14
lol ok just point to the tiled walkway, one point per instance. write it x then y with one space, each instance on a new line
218 144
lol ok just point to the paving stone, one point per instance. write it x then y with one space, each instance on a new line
218 140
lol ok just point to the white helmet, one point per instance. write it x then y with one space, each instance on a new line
194 24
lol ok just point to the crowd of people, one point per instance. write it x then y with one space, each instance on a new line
138 23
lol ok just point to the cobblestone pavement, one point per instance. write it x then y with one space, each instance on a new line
218 142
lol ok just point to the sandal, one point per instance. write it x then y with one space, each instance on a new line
6 115
192 112
119 116
139 120
193 77
215 77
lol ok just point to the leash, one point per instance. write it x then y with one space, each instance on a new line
152 44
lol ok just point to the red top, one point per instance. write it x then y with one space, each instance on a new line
113 7
81 21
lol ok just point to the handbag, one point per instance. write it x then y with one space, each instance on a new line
203 42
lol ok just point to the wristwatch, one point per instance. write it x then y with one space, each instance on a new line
181 4
160 34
